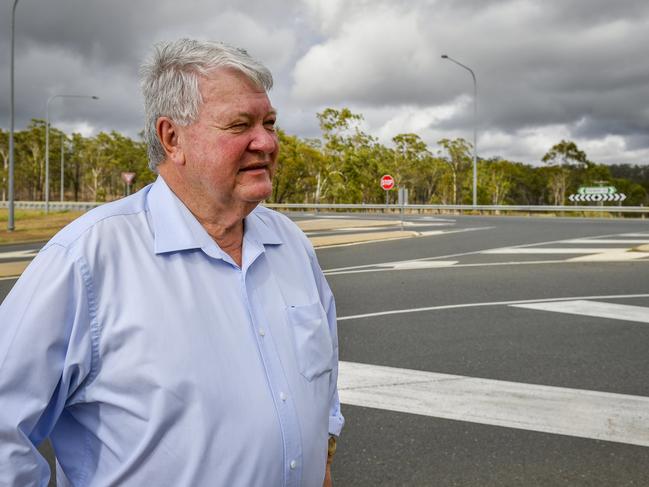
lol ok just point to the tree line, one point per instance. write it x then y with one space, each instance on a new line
343 166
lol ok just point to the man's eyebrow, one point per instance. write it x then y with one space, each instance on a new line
270 112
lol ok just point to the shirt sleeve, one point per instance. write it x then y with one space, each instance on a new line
45 356
336 419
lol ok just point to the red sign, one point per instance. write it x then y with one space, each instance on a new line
128 177
387 182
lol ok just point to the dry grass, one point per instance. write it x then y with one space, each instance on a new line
34 225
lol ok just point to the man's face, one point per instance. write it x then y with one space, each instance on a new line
230 152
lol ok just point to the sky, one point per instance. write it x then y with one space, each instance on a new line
546 70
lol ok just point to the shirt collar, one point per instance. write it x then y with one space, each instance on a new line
176 228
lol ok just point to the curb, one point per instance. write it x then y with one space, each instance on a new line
641 248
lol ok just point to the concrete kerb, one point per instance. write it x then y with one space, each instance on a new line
337 223
356 238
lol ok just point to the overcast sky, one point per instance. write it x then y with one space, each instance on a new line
547 70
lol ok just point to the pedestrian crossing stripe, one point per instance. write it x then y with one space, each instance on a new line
620 418
574 412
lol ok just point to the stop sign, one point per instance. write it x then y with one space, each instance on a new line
387 182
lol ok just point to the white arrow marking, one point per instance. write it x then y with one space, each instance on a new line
581 413
593 308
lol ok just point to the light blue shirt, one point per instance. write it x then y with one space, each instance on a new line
151 359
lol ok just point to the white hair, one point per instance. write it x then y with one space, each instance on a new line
169 82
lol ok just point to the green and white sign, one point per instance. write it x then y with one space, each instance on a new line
596 190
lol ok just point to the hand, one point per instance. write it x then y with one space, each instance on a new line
327 480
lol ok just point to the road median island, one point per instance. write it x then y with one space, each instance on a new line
354 238
13 269
340 223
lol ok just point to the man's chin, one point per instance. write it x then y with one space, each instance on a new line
257 195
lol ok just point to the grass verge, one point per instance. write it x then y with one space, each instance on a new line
34 225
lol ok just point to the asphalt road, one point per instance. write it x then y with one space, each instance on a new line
501 342
528 324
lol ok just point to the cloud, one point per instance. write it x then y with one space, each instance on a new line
552 70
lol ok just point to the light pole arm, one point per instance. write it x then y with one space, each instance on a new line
475 126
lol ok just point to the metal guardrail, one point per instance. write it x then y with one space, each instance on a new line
85 206
466 208
54 205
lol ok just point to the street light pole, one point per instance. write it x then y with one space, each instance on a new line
47 142
10 220
475 126
62 167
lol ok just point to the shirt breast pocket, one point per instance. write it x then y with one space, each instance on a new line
313 344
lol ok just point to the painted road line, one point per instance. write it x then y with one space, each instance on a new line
481 304
591 241
582 413
597 309
621 255
548 250
633 235
414 265
451 256
420 264
19 254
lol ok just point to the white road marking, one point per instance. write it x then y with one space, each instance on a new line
451 256
582 307
492 303
633 235
420 264
620 255
549 250
19 254
591 241
586 414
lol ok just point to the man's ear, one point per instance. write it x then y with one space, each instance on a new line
169 137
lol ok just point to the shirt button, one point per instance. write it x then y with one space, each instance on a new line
282 396
262 332
293 464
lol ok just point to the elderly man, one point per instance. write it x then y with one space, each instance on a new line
183 336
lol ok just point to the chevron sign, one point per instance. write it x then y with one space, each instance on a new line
597 197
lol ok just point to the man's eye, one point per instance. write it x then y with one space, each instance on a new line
270 124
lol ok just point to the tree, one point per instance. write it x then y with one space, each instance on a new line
459 160
564 157
495 180
566 153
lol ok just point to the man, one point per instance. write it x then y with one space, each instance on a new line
183 336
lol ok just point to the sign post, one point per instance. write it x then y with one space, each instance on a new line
128 178
387 183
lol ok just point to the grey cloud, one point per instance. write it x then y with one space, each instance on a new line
582 64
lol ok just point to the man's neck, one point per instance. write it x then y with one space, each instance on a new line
223 223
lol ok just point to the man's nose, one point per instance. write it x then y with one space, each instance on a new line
264 140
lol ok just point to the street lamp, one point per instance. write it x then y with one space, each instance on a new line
475 127
10 220
47 142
